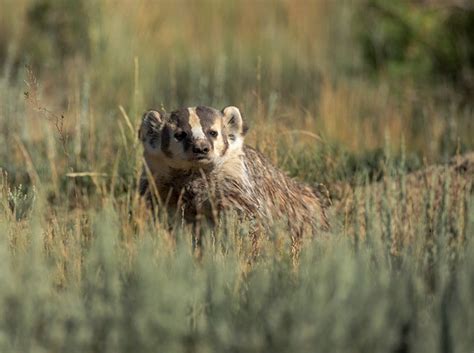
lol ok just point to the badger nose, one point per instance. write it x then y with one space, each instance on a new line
201 147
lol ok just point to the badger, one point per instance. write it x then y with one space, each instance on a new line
199 167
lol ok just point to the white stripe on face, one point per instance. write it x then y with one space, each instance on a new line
196 128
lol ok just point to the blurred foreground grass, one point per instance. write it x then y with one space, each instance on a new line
83 268
110 281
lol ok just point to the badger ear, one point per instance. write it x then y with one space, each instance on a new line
152 121
234 123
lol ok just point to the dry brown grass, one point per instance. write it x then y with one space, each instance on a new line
438 195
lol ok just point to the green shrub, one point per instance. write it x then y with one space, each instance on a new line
419 41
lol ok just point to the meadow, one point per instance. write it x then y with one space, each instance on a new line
371 98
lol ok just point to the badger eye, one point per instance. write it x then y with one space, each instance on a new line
213 133
180 135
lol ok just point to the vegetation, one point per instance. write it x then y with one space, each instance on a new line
360 103
431 42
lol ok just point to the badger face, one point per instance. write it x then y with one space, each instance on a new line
196 137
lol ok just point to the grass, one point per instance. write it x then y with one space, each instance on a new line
83 268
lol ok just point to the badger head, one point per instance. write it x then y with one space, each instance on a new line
196 137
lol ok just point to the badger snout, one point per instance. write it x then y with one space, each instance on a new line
201 147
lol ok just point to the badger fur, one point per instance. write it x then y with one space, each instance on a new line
201 167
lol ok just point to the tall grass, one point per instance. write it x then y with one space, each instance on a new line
103 281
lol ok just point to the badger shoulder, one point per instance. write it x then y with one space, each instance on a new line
282 195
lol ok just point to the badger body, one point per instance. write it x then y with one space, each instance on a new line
201 168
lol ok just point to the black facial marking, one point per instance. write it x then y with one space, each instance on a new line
187 142
180 135
165 141
207 116
180 118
